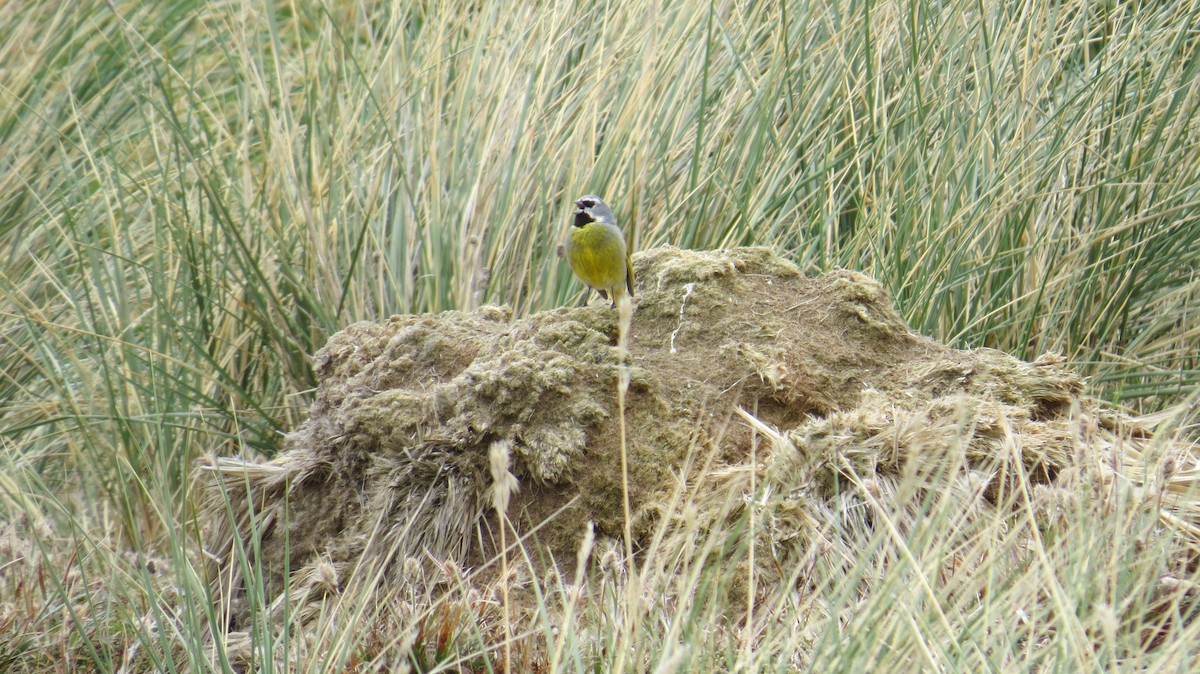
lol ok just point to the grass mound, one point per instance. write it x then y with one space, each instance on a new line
788 437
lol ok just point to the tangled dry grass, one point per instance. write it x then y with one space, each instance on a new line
790 440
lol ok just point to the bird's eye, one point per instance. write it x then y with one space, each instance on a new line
587 203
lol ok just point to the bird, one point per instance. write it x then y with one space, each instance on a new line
596 249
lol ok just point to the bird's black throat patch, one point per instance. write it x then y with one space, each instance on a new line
582 218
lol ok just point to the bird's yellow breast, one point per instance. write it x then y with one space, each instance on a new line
596 253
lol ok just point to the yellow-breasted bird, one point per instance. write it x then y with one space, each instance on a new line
596 249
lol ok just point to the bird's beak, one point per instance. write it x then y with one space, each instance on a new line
578 206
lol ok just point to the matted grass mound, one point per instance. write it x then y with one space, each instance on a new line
798 418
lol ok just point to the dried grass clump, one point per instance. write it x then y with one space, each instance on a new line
797 419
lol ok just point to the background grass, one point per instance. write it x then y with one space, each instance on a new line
194 195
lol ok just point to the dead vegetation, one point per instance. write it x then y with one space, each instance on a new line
794 419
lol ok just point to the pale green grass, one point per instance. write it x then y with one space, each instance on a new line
193 196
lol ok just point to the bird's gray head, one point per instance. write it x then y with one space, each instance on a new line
592 208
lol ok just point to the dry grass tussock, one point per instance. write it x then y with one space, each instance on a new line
195 195
798 458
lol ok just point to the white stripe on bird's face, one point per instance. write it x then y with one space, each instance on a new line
591 208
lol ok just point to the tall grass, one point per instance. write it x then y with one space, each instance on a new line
194 195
